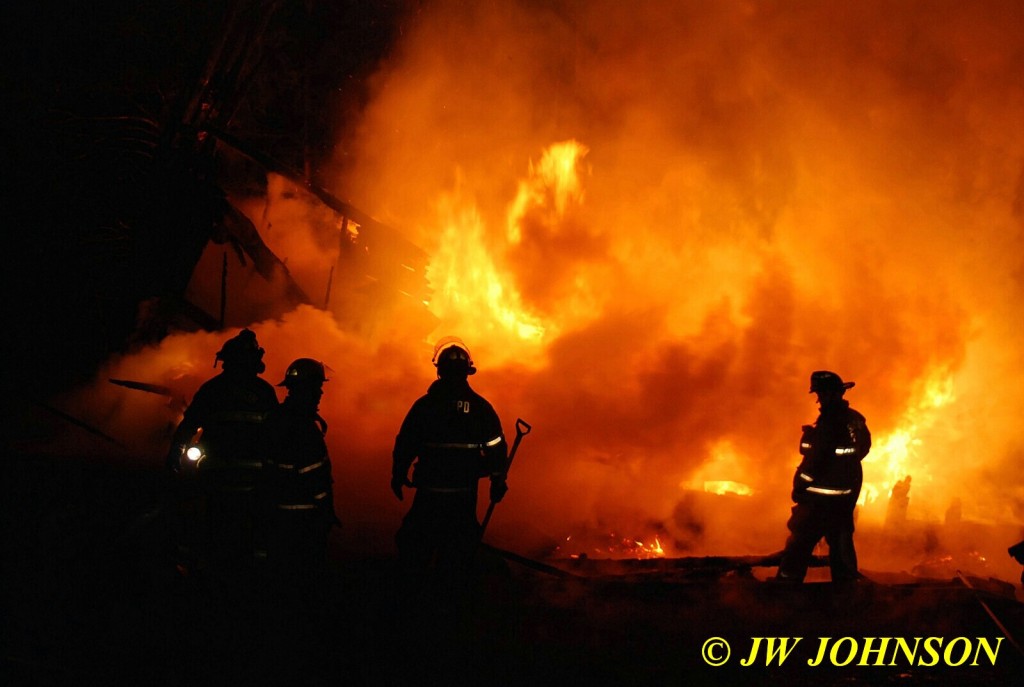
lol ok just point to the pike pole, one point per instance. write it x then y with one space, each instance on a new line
990 612
522 429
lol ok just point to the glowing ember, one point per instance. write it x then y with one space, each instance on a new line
723 459
613 546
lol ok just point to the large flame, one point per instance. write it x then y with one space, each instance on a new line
904 451
652 222
472 295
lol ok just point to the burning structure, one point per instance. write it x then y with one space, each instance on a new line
651 223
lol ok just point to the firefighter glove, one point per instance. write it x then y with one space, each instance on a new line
807 440
332 516
498 489
396 486
173 460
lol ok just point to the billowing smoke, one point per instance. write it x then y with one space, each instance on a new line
765 190
652 221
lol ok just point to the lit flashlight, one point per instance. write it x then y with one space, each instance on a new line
194 454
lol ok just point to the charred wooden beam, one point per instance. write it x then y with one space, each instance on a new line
711 565
158 389
347 210
527 562
71 419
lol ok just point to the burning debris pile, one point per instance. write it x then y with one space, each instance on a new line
612 546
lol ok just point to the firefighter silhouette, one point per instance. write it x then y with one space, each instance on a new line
220 431
1017 553
827 483
297 482
455 438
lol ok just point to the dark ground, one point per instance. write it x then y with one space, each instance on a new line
91 595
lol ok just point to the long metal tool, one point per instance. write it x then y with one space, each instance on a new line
522 429
991 613
531 563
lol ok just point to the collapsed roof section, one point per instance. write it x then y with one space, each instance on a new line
369 272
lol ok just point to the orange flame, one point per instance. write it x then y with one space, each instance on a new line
471 294
723 200
555 180
907 449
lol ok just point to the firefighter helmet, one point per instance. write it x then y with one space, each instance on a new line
304 371
241 348
452 356
823 380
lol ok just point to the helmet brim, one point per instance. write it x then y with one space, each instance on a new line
843 387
